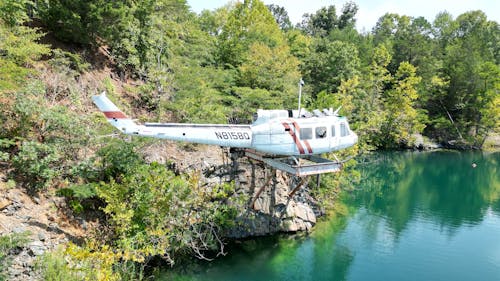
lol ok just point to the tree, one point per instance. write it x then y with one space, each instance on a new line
385 29
320 23
402 119
468 51
361 99
268 68
281 16
248 22
156 213
412 43
329 63
13 12
347 18
70 21
488 102
252 43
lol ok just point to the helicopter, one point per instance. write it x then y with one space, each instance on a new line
276 137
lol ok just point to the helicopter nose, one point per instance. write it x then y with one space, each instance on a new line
354 137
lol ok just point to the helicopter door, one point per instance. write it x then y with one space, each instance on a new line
334 136
282 138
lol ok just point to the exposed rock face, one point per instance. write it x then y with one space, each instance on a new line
268 208
36 218
273 209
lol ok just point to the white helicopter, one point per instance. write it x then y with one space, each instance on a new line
274 134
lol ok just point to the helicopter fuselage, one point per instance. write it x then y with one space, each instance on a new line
276 132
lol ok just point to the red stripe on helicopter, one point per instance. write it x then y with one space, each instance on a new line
297 129
308 147
294 137
115 114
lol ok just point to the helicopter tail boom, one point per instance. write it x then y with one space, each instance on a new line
114 115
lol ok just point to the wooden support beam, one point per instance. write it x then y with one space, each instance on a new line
268 180
301 183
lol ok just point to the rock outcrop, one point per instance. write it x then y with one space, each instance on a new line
268 207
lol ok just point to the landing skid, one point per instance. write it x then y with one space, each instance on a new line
306 165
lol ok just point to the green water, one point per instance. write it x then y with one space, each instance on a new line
414 216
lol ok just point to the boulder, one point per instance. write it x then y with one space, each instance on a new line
37 248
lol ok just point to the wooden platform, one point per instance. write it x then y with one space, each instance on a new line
304 166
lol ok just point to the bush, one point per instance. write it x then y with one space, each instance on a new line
117 158
54 267
89 262
77 263
5 145
37 165
77 195
155 213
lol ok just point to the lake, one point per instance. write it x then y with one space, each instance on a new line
413 216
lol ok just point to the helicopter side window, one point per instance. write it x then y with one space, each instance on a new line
320 132
305 133
343 130
333 131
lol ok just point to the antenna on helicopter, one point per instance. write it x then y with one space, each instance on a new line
301 83
336 112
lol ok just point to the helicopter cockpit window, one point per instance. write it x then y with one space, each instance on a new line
320 132
344 131
305 133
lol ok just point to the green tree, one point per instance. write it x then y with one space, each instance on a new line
268 68
14 13
402 119
324 20
465 56
329 63
385 29
281 16
153 212
347 19
248 22
361 99
69 20
320 23
19 47
488 102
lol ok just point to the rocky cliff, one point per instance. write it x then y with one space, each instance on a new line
269 206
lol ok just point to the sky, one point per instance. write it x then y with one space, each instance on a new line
371 10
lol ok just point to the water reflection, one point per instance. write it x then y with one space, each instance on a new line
440 186
413 216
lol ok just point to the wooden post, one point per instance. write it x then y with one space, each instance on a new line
268 180
301 183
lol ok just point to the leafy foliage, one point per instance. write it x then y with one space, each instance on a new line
329 63
117 158
79 263
326 20
281 16
37 164
154 212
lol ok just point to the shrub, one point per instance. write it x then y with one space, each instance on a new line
156 213
117 158
77 194
36 165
